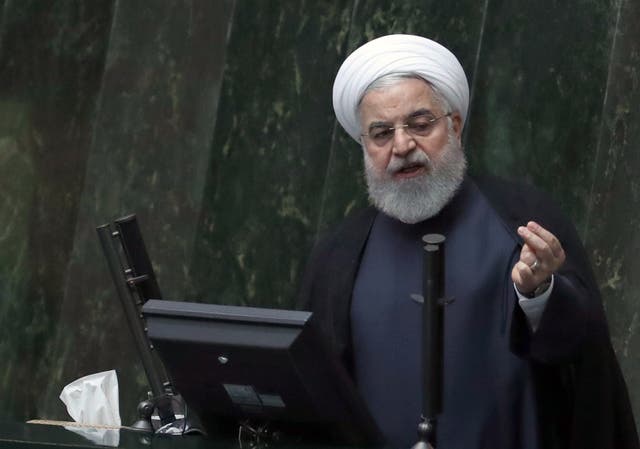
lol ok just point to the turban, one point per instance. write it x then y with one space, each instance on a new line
397 53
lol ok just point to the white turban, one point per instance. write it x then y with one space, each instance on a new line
397 53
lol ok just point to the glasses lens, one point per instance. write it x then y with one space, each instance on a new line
381 134
421 125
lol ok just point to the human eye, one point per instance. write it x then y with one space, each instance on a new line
421 124
381 133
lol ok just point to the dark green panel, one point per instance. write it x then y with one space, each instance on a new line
149 154
539 94
52 55
2 8
456 25
270 150
613 226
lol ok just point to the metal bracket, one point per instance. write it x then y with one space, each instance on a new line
420 299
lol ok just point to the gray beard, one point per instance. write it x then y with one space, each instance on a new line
416 199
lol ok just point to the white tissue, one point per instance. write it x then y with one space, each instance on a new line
93 399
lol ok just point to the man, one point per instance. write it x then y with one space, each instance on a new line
528 362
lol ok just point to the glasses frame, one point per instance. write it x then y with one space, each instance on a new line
406 127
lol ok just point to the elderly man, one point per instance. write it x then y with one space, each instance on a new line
528 362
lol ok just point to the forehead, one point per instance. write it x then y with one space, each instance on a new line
395 102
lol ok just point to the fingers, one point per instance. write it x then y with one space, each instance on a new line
547 237
543 244
527 255
525 278
541 255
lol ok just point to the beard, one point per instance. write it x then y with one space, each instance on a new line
416 199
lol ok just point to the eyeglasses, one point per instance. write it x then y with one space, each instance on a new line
418 126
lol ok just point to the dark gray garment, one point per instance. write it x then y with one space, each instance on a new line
488 392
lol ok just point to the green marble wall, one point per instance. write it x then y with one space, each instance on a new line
213 122
612 218
51 63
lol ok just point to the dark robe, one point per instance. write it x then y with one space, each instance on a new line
488 391
580 396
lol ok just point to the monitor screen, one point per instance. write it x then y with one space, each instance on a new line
232 364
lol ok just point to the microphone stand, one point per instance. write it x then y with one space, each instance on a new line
432 339
135 283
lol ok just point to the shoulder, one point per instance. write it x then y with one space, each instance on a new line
344 240
515 197
517 202
352 227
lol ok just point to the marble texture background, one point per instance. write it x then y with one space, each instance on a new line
212 121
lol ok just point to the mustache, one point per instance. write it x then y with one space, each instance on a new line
415 158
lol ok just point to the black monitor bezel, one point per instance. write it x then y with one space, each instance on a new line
275 336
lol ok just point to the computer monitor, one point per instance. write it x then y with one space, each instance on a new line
268 366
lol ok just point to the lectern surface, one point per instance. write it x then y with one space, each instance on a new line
15 435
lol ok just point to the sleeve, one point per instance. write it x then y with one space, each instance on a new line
534 307
574 308
562 327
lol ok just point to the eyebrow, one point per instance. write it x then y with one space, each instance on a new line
417 113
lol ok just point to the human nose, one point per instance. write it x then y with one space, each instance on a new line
403 142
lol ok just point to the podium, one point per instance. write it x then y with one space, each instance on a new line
18 435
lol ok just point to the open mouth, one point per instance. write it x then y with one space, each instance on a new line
410 170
